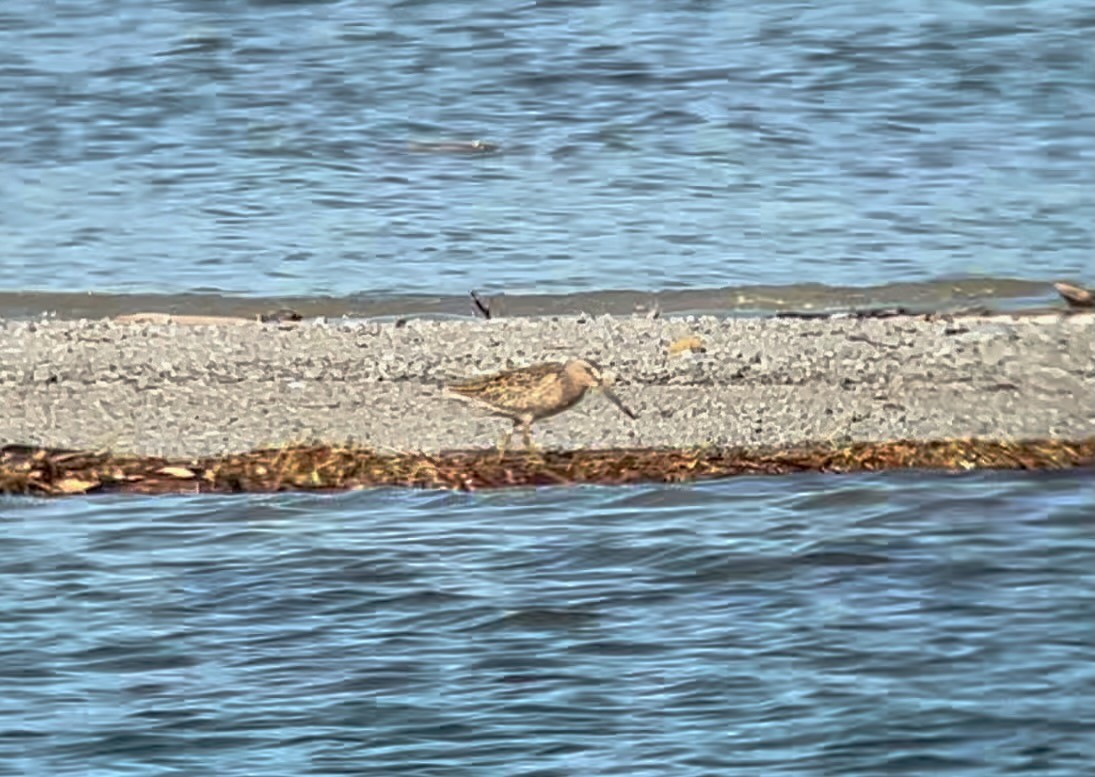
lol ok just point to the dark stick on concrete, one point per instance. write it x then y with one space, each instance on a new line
483 308
279 316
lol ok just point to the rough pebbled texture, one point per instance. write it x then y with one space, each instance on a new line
196 390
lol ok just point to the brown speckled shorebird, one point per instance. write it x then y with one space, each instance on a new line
1075 296
530 393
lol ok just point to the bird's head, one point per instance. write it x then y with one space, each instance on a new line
586 373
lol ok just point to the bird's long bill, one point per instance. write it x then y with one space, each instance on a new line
616 401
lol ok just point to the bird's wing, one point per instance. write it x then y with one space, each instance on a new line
506 388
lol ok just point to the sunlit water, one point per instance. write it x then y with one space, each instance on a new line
878 625
261 148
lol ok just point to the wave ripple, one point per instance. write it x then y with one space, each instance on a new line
889 624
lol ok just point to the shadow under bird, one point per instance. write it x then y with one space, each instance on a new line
538 391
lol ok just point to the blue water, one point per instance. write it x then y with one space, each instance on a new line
261 148
877 625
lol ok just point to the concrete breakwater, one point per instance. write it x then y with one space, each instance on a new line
166 390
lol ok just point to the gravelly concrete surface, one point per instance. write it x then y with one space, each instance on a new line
189 391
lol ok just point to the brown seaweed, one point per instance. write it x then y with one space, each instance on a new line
52 472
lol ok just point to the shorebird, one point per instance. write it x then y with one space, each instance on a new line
530 393
1075 296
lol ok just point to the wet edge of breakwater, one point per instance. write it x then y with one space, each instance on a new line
980 294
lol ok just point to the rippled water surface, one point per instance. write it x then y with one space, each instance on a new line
263 148
897 624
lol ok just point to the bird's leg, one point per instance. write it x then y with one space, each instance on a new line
531 450
504 442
